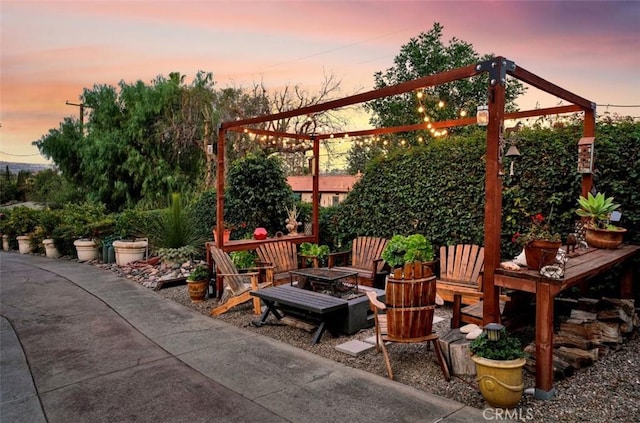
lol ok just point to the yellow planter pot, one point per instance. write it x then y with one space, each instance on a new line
500 381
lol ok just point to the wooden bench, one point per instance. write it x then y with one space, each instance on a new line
327 311
365 257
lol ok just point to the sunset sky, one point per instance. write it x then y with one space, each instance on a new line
52 50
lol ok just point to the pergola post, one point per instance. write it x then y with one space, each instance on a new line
315 183
220 189
493 188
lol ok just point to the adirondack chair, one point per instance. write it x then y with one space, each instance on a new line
365 258
280 257
410 324
460 272
460 282
237 286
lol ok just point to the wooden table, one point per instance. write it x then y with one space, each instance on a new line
578 270
323 309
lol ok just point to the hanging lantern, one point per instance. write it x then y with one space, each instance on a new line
493 331
482 116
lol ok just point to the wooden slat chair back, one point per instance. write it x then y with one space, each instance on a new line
407 318
282 256
365 258
461 269
460 282
238 284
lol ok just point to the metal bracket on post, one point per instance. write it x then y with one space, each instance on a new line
497 74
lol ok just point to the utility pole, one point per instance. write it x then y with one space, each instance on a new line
82 106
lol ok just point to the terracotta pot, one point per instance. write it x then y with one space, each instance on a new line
226 236
540 253
603 238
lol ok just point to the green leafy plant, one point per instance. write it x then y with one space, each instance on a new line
243 259
177 255
405 249
200 272
308 249
505 348
597 209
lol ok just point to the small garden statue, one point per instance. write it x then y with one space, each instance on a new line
292 220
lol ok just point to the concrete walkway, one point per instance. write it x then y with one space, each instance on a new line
80 344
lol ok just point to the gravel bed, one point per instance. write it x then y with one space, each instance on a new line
608 391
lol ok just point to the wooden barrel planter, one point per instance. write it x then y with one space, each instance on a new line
410 299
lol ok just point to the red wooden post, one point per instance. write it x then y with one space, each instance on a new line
220 194
493 193
544 341
315 198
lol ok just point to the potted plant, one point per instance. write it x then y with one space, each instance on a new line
600 233
197 282
407 249
499 360
314 254
536 240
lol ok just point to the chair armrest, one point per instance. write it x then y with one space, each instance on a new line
247 274
373 299
304 258
343 255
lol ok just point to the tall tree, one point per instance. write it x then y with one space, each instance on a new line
425 55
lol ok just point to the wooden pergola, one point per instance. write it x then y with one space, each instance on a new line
497 70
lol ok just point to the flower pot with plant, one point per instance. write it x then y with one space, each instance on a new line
596 210
539 242
499 360
198 281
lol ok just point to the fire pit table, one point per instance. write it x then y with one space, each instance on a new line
324 277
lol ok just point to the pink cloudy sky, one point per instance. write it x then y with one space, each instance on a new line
51 50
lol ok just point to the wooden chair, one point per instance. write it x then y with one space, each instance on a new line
281 257
460 272
416 326
460 282
237 286
365 257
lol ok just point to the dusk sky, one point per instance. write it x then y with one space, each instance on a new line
52 50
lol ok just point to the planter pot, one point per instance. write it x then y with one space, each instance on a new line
24 244
5 242
603 238
500 381
87 249
197 290
225 236
128 251
541 253
50 249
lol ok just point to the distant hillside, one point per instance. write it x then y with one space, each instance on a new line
15 168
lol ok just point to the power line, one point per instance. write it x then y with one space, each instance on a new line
618 105
20 155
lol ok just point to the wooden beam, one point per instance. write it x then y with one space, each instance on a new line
222 133
546 86
426 81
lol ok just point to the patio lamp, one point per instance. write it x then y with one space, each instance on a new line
482 116
493 331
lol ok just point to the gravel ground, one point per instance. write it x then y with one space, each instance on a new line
608 391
